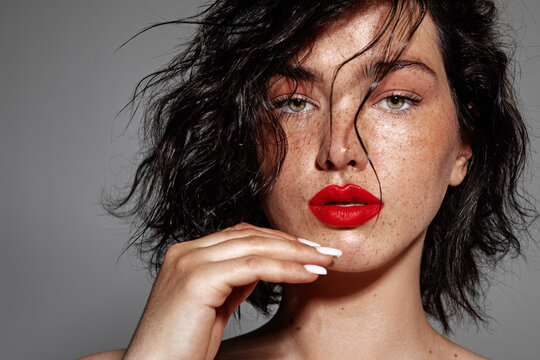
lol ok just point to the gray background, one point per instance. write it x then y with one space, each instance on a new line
63 293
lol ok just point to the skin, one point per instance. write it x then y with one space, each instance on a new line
369 305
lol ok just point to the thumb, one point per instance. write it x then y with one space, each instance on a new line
237 296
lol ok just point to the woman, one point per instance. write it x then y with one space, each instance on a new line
354 161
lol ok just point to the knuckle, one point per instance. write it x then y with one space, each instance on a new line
287 267
175 250
256 242
182 265
240 226
176 258
171 254
252 262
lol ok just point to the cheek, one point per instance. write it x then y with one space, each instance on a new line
296 178
414 158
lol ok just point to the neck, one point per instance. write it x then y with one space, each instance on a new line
374 312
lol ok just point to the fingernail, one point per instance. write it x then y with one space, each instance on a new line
308 242
329 251
315 269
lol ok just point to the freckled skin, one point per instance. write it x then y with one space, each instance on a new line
369 304
417 154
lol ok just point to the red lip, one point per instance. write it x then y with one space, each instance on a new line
325 205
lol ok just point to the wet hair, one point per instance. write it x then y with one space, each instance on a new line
213 145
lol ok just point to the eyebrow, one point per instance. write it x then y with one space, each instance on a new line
374 68
303 73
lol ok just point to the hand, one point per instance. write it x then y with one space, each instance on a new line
201 282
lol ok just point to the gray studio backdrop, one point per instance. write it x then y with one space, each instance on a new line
63 294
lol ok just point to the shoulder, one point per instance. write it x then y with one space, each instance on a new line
450 350
106 355
437 346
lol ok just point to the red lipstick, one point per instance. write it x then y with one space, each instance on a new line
346 206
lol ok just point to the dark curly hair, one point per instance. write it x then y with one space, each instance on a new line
207 114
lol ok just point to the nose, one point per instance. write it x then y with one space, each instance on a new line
342 148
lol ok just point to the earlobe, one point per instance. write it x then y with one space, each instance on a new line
460 166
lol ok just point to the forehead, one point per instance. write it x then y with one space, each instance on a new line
354 31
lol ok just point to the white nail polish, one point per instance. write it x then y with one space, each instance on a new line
308 242
329 251
315 269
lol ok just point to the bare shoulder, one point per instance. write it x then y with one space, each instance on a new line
447 349
464 354
106 355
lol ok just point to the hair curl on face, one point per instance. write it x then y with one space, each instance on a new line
208 128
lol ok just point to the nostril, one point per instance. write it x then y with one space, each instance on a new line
325 164
329 165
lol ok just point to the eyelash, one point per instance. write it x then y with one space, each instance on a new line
411 99
281 103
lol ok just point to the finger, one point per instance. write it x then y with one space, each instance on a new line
244 226
223 313
216 238
238 296
217 280
278 249
242 233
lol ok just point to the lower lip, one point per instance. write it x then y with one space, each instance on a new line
345 216
323 205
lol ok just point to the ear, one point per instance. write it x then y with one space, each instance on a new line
460 165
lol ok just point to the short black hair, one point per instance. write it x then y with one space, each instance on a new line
207 112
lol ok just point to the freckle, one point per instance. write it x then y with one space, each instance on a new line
430 351
297 328
455 355
374 295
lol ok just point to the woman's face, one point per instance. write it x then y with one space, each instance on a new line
408 126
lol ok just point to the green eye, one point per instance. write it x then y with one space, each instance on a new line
296 105
399 102
395 102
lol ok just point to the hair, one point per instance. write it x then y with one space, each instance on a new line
206 115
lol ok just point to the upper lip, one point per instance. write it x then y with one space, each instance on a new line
349 194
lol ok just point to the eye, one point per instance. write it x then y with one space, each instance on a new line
297 105
294 104
396 102
399 102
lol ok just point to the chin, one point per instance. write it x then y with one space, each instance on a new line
368 252
356 263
